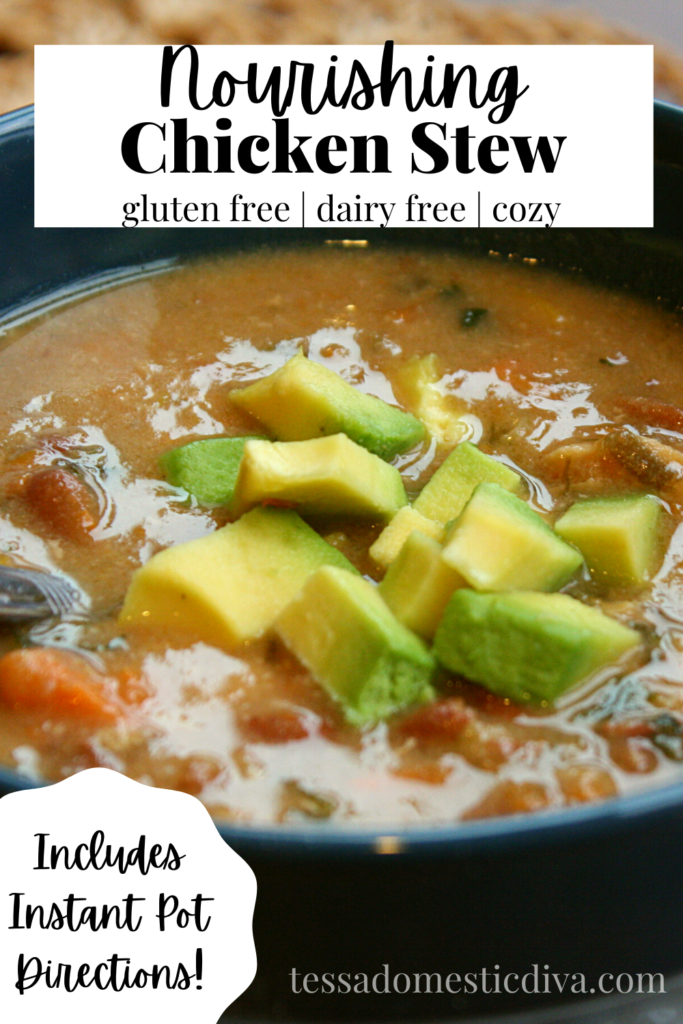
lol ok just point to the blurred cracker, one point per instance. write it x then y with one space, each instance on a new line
24 23
374 21
95 22
27 23
182 21
438 21
223 22
16 80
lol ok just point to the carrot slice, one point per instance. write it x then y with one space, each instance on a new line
57 684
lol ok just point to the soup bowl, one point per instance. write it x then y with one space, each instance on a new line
592 892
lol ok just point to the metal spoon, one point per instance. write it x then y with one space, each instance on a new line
27 595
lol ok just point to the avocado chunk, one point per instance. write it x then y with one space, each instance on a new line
341 630
528 646
418 584
392 538
303 400
326 476
206 469
619 537
416 384
231 585
451 487
499 543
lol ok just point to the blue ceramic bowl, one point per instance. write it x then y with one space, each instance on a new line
591 889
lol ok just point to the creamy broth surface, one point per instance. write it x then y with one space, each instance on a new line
113 381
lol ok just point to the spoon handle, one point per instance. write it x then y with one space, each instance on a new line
26 594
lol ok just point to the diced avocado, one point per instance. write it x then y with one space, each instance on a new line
618 537
418 584
303 399
207 469
499 543
527 646
416 386
392 538
451 487
343 633
231 585
325 476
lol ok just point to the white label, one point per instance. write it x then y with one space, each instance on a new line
355 136
119 903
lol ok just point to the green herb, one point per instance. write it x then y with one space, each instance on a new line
450 291
298 800
667 737
471 317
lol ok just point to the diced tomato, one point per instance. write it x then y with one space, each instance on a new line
17 472
651 413
490 703
57 684
432 772
510 797
441 720
633 755
615 728
64 503
274 725
585 783
196 773
488 745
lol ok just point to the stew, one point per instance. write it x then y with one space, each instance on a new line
529 618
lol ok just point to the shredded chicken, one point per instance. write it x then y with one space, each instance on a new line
657 465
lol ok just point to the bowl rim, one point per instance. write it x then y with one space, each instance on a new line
17 122
457 839
561 825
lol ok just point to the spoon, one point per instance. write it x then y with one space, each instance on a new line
26 595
